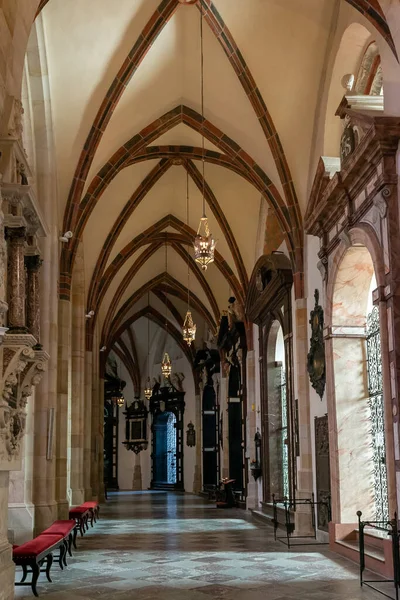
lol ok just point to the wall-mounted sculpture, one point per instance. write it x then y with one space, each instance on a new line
316 356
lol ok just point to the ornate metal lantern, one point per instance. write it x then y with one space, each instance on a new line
148 390
189 329
166 366
136 427
118 398
204 245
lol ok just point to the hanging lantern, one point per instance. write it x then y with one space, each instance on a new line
204 245
166 367
189 329
118 398
148 392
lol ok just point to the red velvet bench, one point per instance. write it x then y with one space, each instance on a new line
94 509
80 514
68 529
33 554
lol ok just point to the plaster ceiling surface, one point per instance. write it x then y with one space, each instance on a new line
260 96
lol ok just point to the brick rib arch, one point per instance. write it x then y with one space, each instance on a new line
140 262
164 282
151 313
154 235
125 359
144 188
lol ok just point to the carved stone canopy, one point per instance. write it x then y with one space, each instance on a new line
23 368
369 167
271 280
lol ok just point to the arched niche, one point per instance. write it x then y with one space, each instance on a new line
362 482
269 305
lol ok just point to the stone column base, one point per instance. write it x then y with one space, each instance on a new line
137 478
88 494
44 515
252 494
20 522
7 571
77 497
197 487
63 509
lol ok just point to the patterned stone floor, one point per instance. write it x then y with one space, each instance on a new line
153 546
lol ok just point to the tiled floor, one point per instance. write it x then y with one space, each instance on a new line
158 546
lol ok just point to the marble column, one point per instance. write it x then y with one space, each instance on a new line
137 474
7 568
33 264
304 462
16 280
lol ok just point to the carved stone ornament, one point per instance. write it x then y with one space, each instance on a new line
22 370
316 355
348 140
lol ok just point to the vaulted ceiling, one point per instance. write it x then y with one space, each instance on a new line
125 92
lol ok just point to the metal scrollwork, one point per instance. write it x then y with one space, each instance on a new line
316 355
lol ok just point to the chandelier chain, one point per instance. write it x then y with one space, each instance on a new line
202 104
187 217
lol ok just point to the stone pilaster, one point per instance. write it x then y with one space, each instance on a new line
33 264
101 444
16 279
137 474
76 399
197 477
64 323
87 463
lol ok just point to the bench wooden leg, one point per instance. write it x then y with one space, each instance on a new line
70 541
74 538
24 573
48 566
35 576
65 547
61 557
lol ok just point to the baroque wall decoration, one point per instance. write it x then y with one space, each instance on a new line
190 435
316 355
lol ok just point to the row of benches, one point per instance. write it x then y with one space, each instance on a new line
37 555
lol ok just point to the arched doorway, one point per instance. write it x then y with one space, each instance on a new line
358 385
165 450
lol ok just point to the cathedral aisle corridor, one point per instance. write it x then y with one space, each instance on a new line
164 546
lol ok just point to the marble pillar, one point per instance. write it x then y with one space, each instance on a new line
33 264
304 461
87 462
137 474
16 280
